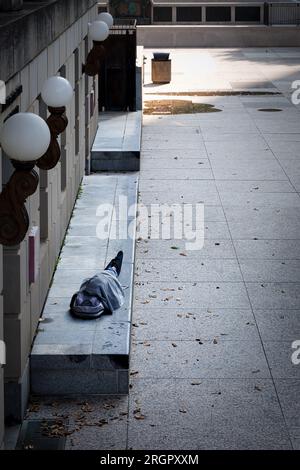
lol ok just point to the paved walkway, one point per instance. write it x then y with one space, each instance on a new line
211 350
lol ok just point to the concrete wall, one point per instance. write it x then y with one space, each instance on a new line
218 36
50 207
23 35
1 339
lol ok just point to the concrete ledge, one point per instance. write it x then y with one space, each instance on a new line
73 356
117 144
218 36
115 161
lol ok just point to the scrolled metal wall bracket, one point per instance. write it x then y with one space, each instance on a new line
94 59
28 140
14 220
24 138
57 123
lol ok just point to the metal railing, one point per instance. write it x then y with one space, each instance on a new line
282 13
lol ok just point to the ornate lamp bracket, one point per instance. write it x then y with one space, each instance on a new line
14 220
94 59
57 122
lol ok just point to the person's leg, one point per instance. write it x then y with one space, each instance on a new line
112 270
116 263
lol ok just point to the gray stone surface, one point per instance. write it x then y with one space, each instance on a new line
98 350
93 422
211 349
117 143
190 295
279 356
248 223
278 325
225 270
195 324
212 249
214 414
189 359
274 295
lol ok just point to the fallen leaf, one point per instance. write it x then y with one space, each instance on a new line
86 408
139 416
34 407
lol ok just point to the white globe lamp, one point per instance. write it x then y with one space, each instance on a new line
98 31
107 18
25 137
57 92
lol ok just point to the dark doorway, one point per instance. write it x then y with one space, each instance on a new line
117 79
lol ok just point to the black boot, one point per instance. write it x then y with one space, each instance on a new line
116 262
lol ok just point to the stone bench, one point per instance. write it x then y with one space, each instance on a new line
74 356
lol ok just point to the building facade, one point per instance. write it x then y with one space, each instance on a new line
224 12
39 40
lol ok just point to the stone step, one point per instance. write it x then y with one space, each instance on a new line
117 143
74 356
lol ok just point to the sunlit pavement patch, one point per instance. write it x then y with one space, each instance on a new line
178 107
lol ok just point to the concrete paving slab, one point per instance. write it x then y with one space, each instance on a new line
253 169
190 295
288 390
279 354
174 249
190 359
280 295
270 270
177 164
277 325
257 199
239 187
245 222
194 324
268 249
197 173
188 416
223 270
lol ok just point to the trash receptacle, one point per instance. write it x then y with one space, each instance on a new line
161 67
